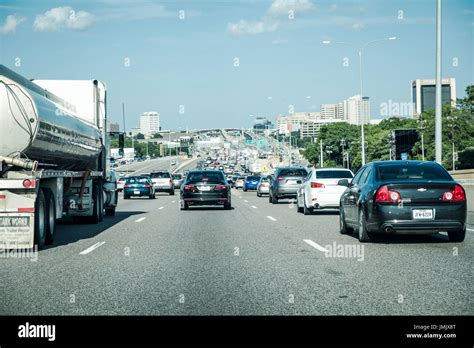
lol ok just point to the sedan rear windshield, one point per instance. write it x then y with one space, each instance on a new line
206 176
333 174
137 179
292 172
160 175
421 171
253 178
177 176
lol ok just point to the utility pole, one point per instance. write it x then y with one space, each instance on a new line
438 124
123 117
321 153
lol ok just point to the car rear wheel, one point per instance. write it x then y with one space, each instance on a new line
343 229
457 236
362 228
126 197
259 194
298 208
172 192
227 206
274 200
306 210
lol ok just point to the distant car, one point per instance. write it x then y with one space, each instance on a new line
403 197
173 162
177 180
251 182
239 183
121 183
321 189
205 187
286 182
263 187
230 180
162 181
138 186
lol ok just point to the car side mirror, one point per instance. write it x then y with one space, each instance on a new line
343 182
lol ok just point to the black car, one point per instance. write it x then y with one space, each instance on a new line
403 197
205 187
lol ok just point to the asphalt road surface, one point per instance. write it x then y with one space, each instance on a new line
256 259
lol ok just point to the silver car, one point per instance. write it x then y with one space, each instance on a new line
263 187
177 180
286 182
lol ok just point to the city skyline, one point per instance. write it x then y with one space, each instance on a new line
202 65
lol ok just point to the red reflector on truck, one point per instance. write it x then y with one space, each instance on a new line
28 183
3 197
26 210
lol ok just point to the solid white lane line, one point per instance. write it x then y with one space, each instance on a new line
254 207
271 218
91 248
316 245
140 219
470 229
160 208
173 201
246 201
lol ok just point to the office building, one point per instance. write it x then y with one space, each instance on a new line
423 93
149 123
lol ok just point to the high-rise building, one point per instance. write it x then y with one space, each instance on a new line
261 123
328 111
285 124
149 123
423 93
354 112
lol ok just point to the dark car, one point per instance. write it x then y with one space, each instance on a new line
403 197
205 187
285 183
251 182
138 186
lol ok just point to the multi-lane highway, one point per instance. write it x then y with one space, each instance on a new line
258 258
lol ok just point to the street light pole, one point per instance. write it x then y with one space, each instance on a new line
438 124
362 133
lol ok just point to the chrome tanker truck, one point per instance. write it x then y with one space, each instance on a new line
54 157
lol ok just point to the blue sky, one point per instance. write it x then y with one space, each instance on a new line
190 61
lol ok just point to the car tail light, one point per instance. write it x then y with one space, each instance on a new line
280 179
28 183
189 187
126 185
386 195
456 195
220 187
263 185
146 186
317 185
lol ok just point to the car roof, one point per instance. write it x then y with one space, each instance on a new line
401 162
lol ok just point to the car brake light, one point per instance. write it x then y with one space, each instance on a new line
220 187
280 179
146 186
317 185
190 187
457 194
386 195
126 185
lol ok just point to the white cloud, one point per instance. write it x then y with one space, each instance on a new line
63 18
279 41
358 26
282 7
243 27
11 23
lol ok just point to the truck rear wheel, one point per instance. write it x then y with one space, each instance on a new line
97 207
50 216
40 223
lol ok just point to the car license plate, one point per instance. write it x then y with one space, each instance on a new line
423 214
136 192
205 188
292 182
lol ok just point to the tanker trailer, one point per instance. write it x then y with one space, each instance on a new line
54 161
